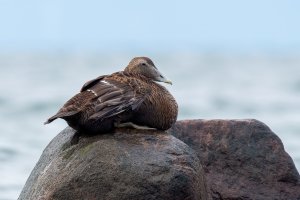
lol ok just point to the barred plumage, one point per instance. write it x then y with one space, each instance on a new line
131 96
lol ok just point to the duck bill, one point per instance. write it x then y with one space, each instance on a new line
161 78
168 81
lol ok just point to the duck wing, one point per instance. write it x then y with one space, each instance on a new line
91 83
76 104
115 95
104 97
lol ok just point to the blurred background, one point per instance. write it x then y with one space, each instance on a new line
227 59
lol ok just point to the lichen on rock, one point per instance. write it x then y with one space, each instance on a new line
126 164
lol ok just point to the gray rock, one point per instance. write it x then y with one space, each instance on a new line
128 164
242 159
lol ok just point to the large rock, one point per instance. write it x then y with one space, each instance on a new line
242 159
127 164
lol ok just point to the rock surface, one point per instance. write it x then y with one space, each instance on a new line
127 164
242 159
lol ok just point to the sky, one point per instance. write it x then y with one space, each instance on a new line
50 25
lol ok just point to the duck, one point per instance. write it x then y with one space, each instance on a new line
130 98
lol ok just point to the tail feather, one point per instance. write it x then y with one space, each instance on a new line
51 119
60 115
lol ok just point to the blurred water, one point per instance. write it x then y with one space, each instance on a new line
264 87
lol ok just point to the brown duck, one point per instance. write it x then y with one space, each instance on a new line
126 98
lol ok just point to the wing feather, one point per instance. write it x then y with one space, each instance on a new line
120 98
91 83
104 97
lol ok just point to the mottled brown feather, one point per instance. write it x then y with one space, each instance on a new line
117 98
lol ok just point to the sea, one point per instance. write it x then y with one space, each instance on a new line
206 85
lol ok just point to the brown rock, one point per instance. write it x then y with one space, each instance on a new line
242 159
128 164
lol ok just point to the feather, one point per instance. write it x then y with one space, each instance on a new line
126 96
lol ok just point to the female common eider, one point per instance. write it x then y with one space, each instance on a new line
126 98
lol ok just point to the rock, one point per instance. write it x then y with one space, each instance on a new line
242 159
127 164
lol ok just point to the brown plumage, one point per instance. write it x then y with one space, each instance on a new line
126 98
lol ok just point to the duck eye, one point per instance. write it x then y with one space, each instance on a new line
144 64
